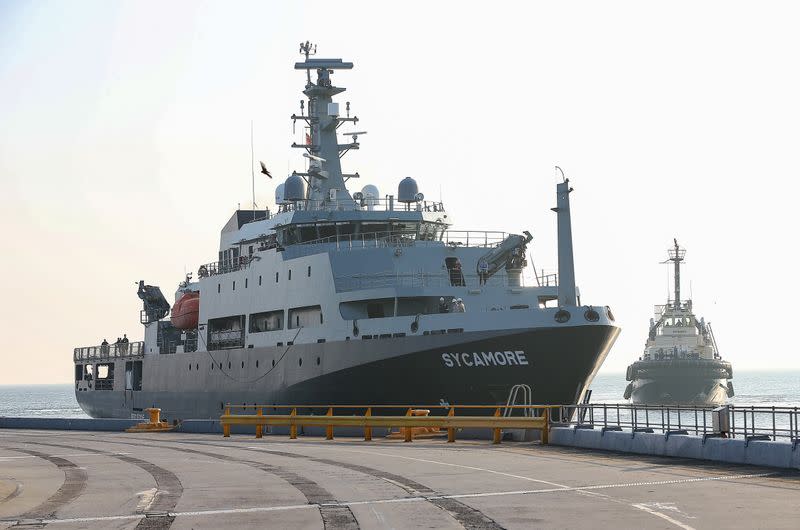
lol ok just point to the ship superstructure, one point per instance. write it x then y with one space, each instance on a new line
352 298
681 363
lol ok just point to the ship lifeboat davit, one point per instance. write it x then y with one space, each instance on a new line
186 310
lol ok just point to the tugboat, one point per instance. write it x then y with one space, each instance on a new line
353 298
681 364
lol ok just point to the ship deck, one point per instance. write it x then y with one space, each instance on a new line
73 479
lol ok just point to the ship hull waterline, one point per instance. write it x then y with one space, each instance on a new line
463 368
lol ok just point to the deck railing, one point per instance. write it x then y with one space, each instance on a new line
748 422
378 205
109 351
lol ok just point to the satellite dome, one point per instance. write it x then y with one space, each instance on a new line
370 192
294 189
279 195
408 190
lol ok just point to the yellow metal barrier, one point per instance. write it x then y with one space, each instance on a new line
413 422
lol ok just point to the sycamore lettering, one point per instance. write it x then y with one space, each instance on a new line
475 359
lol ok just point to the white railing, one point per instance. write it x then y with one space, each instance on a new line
109 351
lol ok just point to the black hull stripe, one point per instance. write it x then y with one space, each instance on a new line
74 483
168 487
333 517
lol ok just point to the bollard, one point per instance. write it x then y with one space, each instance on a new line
259 428
368 430
407 430
226 428
496 434
329 428
546 427
451 431
293 427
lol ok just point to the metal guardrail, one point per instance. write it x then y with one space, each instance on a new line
401 238
775 423
109 351
407 423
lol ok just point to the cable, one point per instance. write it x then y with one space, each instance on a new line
288 347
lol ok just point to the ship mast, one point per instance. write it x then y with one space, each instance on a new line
326 183
676 255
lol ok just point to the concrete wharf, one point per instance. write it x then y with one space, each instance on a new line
78 479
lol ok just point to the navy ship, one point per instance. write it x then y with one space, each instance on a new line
352 297
681 364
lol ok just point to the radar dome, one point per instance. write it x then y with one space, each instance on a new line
294 189
408 190
279 195
371 195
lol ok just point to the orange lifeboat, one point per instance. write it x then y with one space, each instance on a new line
186 310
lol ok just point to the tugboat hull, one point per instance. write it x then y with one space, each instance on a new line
691 382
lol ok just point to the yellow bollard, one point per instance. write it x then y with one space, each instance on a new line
293 427
451 431
226 428
259 428
546 428
496 436
368 430
329 428
409 433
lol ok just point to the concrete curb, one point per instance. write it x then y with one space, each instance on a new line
737 451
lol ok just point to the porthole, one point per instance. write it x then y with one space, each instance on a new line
221 405
300 361
197 366
273 362
318 361
309 271
276 277
234 285
591 315
256 363
259 280
219 287
220 366
290 274
242 364
229 365
190 367
610 314
245 283
212 367
562 315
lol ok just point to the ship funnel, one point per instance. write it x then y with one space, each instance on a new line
566 261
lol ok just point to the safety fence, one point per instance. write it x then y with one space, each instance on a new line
109 351
734 421
416 418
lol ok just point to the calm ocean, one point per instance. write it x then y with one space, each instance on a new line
752 388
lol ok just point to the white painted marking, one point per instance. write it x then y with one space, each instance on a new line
146 498
409 489
666 517
4 458
644 507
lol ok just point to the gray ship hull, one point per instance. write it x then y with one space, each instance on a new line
458 368
695 382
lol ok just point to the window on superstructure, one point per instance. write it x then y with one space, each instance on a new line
276 277
234 285
245 283
309 271
266 321
259 279
290 274
219 287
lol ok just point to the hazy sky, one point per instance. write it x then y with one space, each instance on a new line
124 147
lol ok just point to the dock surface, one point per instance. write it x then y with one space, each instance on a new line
71 479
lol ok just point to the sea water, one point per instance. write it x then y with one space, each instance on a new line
761 388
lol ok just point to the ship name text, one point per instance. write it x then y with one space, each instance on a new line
497 358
